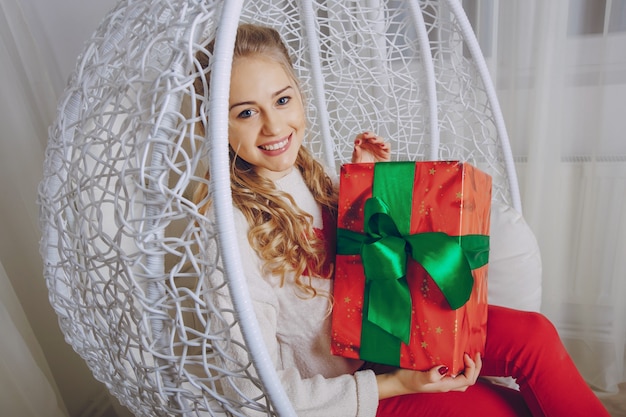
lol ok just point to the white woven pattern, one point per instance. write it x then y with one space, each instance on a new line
132 268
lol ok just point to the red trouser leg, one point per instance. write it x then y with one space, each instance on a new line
526 346
519 344
483 399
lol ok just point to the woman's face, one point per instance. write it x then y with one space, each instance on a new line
266 116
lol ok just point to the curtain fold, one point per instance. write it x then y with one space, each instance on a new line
26 387
27 106
560 72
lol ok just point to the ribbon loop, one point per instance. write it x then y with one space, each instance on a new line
385 254
384 258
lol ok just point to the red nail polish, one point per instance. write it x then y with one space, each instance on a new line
443 370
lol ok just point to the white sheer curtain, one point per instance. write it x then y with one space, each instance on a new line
26 389
560 71
27 105
33 355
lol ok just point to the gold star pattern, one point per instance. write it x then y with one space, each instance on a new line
432 171
438 330
424 345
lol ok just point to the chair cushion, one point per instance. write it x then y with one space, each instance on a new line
514 261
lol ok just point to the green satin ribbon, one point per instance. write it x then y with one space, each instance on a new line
385 247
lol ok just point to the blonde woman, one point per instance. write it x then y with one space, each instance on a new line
285 207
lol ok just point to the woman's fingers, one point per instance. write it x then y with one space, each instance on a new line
404 381
368 147
470 374
472 367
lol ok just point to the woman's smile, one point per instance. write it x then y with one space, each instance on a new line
276 147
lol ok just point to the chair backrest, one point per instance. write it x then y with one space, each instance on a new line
132 268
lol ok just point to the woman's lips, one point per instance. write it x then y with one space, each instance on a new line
276 146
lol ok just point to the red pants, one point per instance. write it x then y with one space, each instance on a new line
527 347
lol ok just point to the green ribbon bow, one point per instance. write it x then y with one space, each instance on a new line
385 247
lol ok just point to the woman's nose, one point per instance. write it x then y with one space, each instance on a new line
271 123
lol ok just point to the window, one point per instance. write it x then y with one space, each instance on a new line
596 17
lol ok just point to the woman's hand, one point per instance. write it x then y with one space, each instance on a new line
370 148
404 381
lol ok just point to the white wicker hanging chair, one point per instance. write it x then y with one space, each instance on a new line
126 253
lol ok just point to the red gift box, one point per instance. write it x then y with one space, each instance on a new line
410 284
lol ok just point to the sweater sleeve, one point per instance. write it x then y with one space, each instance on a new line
345 395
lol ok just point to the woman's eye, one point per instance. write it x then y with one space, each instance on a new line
283 100
245 114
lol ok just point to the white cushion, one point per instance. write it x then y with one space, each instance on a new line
514 261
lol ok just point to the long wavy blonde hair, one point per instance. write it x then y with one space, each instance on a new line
280 232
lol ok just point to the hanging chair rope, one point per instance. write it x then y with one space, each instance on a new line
220 172
498 118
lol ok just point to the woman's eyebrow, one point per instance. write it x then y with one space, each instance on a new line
279 92
246 103
243 103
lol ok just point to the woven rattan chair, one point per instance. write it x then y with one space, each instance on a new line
127 256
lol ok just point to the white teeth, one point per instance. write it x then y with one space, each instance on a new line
275 146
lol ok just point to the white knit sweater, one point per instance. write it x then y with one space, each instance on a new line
297 332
